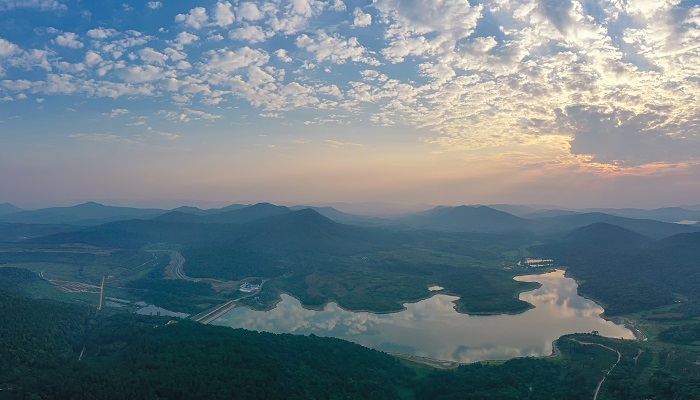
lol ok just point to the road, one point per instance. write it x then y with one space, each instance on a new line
175 268
619 356
217 311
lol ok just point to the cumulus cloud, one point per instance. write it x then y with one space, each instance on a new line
334 48
197 18
69 39
229 61
154 5
101 33
223 14
361 19
249 11
251 34
7 48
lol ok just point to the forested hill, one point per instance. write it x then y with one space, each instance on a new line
628 272
126 356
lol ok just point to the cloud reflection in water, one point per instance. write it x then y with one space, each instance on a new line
432 328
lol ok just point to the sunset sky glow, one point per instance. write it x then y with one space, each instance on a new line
572 102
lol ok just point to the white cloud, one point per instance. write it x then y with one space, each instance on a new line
101 33
334 48
69 39
229 61
251 34
154 5
7 48
92 58
43 5
138 74
117 112
150 56
97 137
361 19
249 11
282 55
223 15
197 18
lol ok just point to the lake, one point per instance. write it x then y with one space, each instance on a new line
432 328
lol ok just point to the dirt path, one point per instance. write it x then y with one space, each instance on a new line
619 356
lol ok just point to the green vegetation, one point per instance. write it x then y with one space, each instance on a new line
315 260
131 356
628 272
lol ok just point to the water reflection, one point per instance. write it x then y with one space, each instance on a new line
432 328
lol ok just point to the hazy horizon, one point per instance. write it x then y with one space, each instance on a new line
580 104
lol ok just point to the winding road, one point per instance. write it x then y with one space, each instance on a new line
619 356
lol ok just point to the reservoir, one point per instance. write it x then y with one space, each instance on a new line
432 328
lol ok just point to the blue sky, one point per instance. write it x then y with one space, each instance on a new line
579 102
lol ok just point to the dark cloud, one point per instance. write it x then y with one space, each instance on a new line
623 137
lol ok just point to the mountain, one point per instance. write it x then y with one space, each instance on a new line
7 208
18 232
627 272
467 219
347 218
233 216
653 229
90 213
595 239
666 214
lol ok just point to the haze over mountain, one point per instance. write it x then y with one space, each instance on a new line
7 208
89 213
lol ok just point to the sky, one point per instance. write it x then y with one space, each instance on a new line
580 103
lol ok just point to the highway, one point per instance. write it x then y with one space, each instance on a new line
175 268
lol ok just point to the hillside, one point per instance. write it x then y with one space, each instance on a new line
232 216
628 272
564 223
90 213
7 208
466 219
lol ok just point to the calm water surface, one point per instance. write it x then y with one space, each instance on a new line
432 328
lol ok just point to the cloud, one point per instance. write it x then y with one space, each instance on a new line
69 39
249 11
116 112
627 138
229 61
139 74
334 48
7 48
361 19
251 34
42 5
188 115
154 5
151 56
98 137
101 33
197 18
282 55
223 15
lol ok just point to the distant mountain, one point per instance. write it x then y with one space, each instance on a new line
90 213
467 219
18 232
232 216
666 214
653 229
7 208
597 238
347 218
